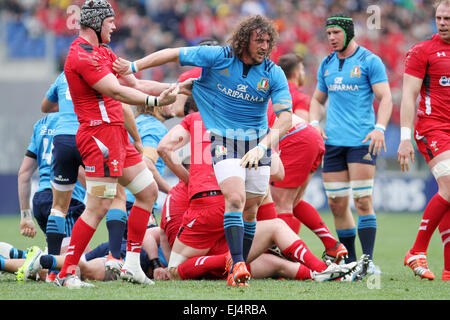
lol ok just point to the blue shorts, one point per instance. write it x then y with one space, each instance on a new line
42 204
66 160
336 158
225 148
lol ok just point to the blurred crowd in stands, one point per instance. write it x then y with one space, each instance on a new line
387 27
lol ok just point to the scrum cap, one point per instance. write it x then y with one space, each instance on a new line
208 42
346 24
93 12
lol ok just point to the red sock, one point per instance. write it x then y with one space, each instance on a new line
266 212
137 225
298 251
303 273
444 229
309 216
197 267
81 235
291 221
434 212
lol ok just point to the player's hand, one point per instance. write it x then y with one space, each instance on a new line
27 228
252 157
161 274
405 151
377 141
186 86
168 96
122 66
321 131
139 147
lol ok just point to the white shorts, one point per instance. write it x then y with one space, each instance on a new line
256 181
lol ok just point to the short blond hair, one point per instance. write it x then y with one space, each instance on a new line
437 3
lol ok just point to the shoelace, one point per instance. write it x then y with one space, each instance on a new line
419 266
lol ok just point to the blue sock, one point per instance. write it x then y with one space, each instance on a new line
367 229
48 261
100 251
249 233
17 253
234 233
2 262
347 238
56 231
116 222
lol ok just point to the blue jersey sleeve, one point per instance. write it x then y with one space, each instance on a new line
150 141
33 146
52 93
377 70
280 90
204 56
321 85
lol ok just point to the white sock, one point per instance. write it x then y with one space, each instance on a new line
132 259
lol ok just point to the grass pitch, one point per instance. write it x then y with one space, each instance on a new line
396 234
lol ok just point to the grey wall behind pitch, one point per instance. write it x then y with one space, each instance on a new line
20 108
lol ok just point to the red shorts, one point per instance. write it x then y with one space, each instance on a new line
106 150
203 225
430 143
301 151
171 219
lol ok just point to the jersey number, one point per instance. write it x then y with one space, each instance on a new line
47 156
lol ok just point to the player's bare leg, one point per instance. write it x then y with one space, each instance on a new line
139 180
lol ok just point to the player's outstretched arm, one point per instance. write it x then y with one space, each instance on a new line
410 92
28 167
377 140
158 58
110 86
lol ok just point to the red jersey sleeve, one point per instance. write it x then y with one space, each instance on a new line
96 65
186 122
416 61
300 101
192 73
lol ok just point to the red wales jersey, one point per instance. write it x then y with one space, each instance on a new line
300 100
430 60
86 65
201 172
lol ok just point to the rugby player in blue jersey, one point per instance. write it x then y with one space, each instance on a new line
232 94
39 156
66 161
350 77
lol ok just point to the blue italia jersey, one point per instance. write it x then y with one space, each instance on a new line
348 83
40 148
59 92
231 96
151 131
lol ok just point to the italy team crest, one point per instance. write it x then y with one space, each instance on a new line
263 85
356 72
220 151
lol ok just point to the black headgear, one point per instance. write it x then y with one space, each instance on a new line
93 12
208 42
346 24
